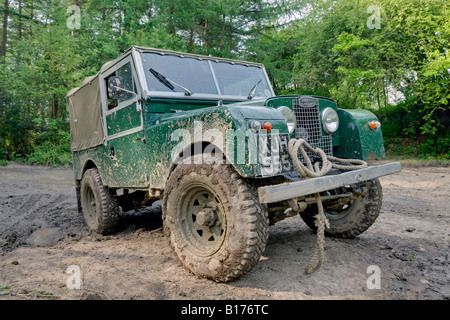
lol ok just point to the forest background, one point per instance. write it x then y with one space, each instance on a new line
389 56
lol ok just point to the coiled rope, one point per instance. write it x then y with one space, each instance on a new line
314 171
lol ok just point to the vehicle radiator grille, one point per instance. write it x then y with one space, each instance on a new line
309 126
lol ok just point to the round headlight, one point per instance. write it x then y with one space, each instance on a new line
330 120
289 115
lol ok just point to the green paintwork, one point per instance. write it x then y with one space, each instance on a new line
357 140
160 127
144 159
123 119
140 154
288 100
354 139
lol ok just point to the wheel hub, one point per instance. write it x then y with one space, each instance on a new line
207 217
202 220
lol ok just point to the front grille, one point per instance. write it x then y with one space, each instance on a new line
309 127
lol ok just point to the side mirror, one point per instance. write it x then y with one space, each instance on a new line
116 88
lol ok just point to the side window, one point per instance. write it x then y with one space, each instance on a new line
125 72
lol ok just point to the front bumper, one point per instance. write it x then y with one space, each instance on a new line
293 190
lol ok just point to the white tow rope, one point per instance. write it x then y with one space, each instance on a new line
314 171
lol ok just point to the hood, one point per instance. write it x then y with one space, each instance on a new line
256 110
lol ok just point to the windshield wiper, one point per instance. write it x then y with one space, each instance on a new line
162 79
168 83
253 91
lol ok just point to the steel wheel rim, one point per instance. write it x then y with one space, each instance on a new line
90 206
202 220
344 211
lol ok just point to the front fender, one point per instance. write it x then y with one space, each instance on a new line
226 127
356 139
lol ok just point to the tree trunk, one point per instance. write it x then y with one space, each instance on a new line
20 20
54 107
5 29
31 16
206 34
230 34
378 95
191 38
222 35
385 96
171 25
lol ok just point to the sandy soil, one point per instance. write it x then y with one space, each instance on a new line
41 235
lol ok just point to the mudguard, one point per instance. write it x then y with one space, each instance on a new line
357 139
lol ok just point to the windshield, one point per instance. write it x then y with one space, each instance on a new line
240 80
170 73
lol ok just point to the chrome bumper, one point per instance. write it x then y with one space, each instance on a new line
292 190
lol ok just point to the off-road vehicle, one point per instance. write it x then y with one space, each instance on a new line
209 137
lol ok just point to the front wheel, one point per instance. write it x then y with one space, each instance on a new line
214 221
352 218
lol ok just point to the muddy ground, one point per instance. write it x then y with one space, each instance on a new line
42 234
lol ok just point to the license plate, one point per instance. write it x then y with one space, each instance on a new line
273 154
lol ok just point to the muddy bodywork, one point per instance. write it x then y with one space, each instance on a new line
137 142
210 138
144 159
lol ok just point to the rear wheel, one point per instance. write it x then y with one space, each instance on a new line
214 221
99 207
350 219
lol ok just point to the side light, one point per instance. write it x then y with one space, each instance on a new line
256 126
267 126
374 125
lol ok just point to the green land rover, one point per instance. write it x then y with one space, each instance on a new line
209 137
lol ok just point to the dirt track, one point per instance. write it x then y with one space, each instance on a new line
41 235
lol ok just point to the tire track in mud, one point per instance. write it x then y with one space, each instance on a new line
23 215
410 242
414 268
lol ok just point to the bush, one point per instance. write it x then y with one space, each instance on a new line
438 148
2 152
49 154
398 121
403 136
52 145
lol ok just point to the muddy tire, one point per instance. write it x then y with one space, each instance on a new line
352 219
214 221
99 207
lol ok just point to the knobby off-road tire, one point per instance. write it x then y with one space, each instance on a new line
353 219
214 221
99 206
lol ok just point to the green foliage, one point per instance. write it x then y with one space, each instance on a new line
44 58
2 152
320 47
438 148
402 133
52 144
400 70
398 121
49 154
